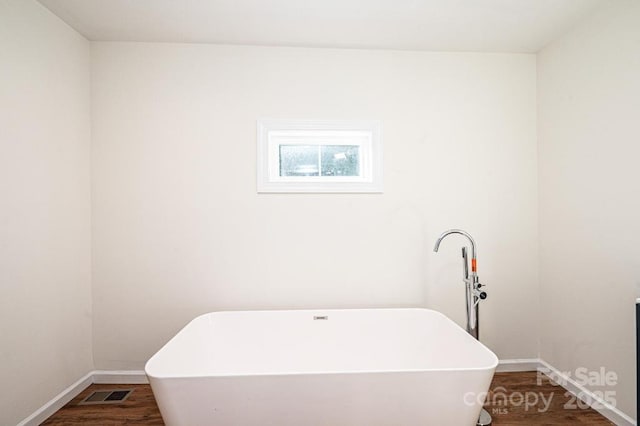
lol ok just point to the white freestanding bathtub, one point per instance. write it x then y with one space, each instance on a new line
399 367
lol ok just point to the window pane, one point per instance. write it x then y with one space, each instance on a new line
299 160
340 160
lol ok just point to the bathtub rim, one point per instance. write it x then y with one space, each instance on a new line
492 366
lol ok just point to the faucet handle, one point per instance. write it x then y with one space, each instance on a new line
479 294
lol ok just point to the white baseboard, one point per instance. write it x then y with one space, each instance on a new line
57 402
507 365
604 408
124 377
516 365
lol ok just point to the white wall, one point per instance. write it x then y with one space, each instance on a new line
179 230
589 132
45 305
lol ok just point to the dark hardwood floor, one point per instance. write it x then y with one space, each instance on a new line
531 399
515 399
139 408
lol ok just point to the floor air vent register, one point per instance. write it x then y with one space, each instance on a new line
111 396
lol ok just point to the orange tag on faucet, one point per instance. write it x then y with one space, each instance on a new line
473 266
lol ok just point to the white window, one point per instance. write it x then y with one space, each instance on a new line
319 156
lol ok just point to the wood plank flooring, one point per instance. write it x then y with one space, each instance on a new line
139 408
509 392
506 402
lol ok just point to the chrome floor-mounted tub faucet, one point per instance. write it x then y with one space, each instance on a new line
473 287
473 295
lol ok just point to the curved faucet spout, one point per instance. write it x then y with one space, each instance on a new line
457 231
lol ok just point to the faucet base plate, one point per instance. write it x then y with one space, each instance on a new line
484 419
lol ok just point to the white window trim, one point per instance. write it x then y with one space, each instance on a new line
366 134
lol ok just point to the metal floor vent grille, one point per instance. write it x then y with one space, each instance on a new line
111 396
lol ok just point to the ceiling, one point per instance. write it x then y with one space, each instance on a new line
440 25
